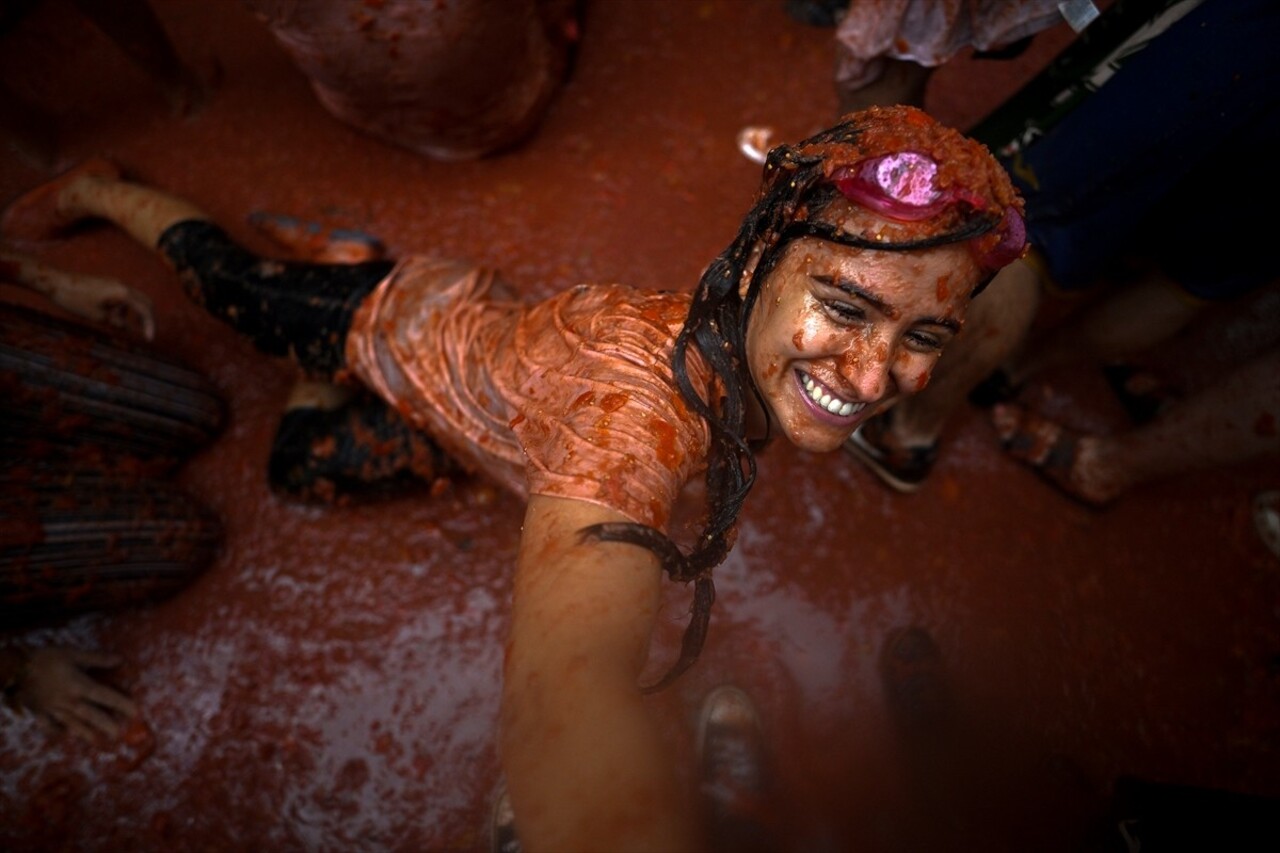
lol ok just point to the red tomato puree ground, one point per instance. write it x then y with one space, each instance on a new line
332 681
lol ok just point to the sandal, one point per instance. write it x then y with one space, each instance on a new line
903 469
1044 445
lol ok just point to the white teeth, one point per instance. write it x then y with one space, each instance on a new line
824 398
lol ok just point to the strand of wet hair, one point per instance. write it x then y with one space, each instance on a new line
715 326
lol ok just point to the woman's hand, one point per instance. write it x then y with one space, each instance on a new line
55 687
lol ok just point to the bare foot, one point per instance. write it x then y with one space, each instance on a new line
1063 457
41 213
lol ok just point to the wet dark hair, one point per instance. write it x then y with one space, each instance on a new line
795 191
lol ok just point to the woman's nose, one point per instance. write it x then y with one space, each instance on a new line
869 376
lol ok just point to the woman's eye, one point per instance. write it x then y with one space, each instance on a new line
925 342
844 312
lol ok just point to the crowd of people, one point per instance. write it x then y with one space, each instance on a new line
889 271
1103 185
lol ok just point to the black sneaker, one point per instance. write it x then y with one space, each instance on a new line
903 469
914 687
734 778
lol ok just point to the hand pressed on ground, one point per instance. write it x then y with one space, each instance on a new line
56 688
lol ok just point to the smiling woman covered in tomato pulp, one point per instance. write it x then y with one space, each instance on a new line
845 282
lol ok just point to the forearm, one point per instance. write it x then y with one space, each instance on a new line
586 766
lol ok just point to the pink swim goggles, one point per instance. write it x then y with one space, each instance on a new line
903 186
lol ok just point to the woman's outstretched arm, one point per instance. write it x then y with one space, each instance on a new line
586 767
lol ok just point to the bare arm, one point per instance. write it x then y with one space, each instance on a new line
585 765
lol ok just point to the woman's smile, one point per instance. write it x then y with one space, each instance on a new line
826 403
